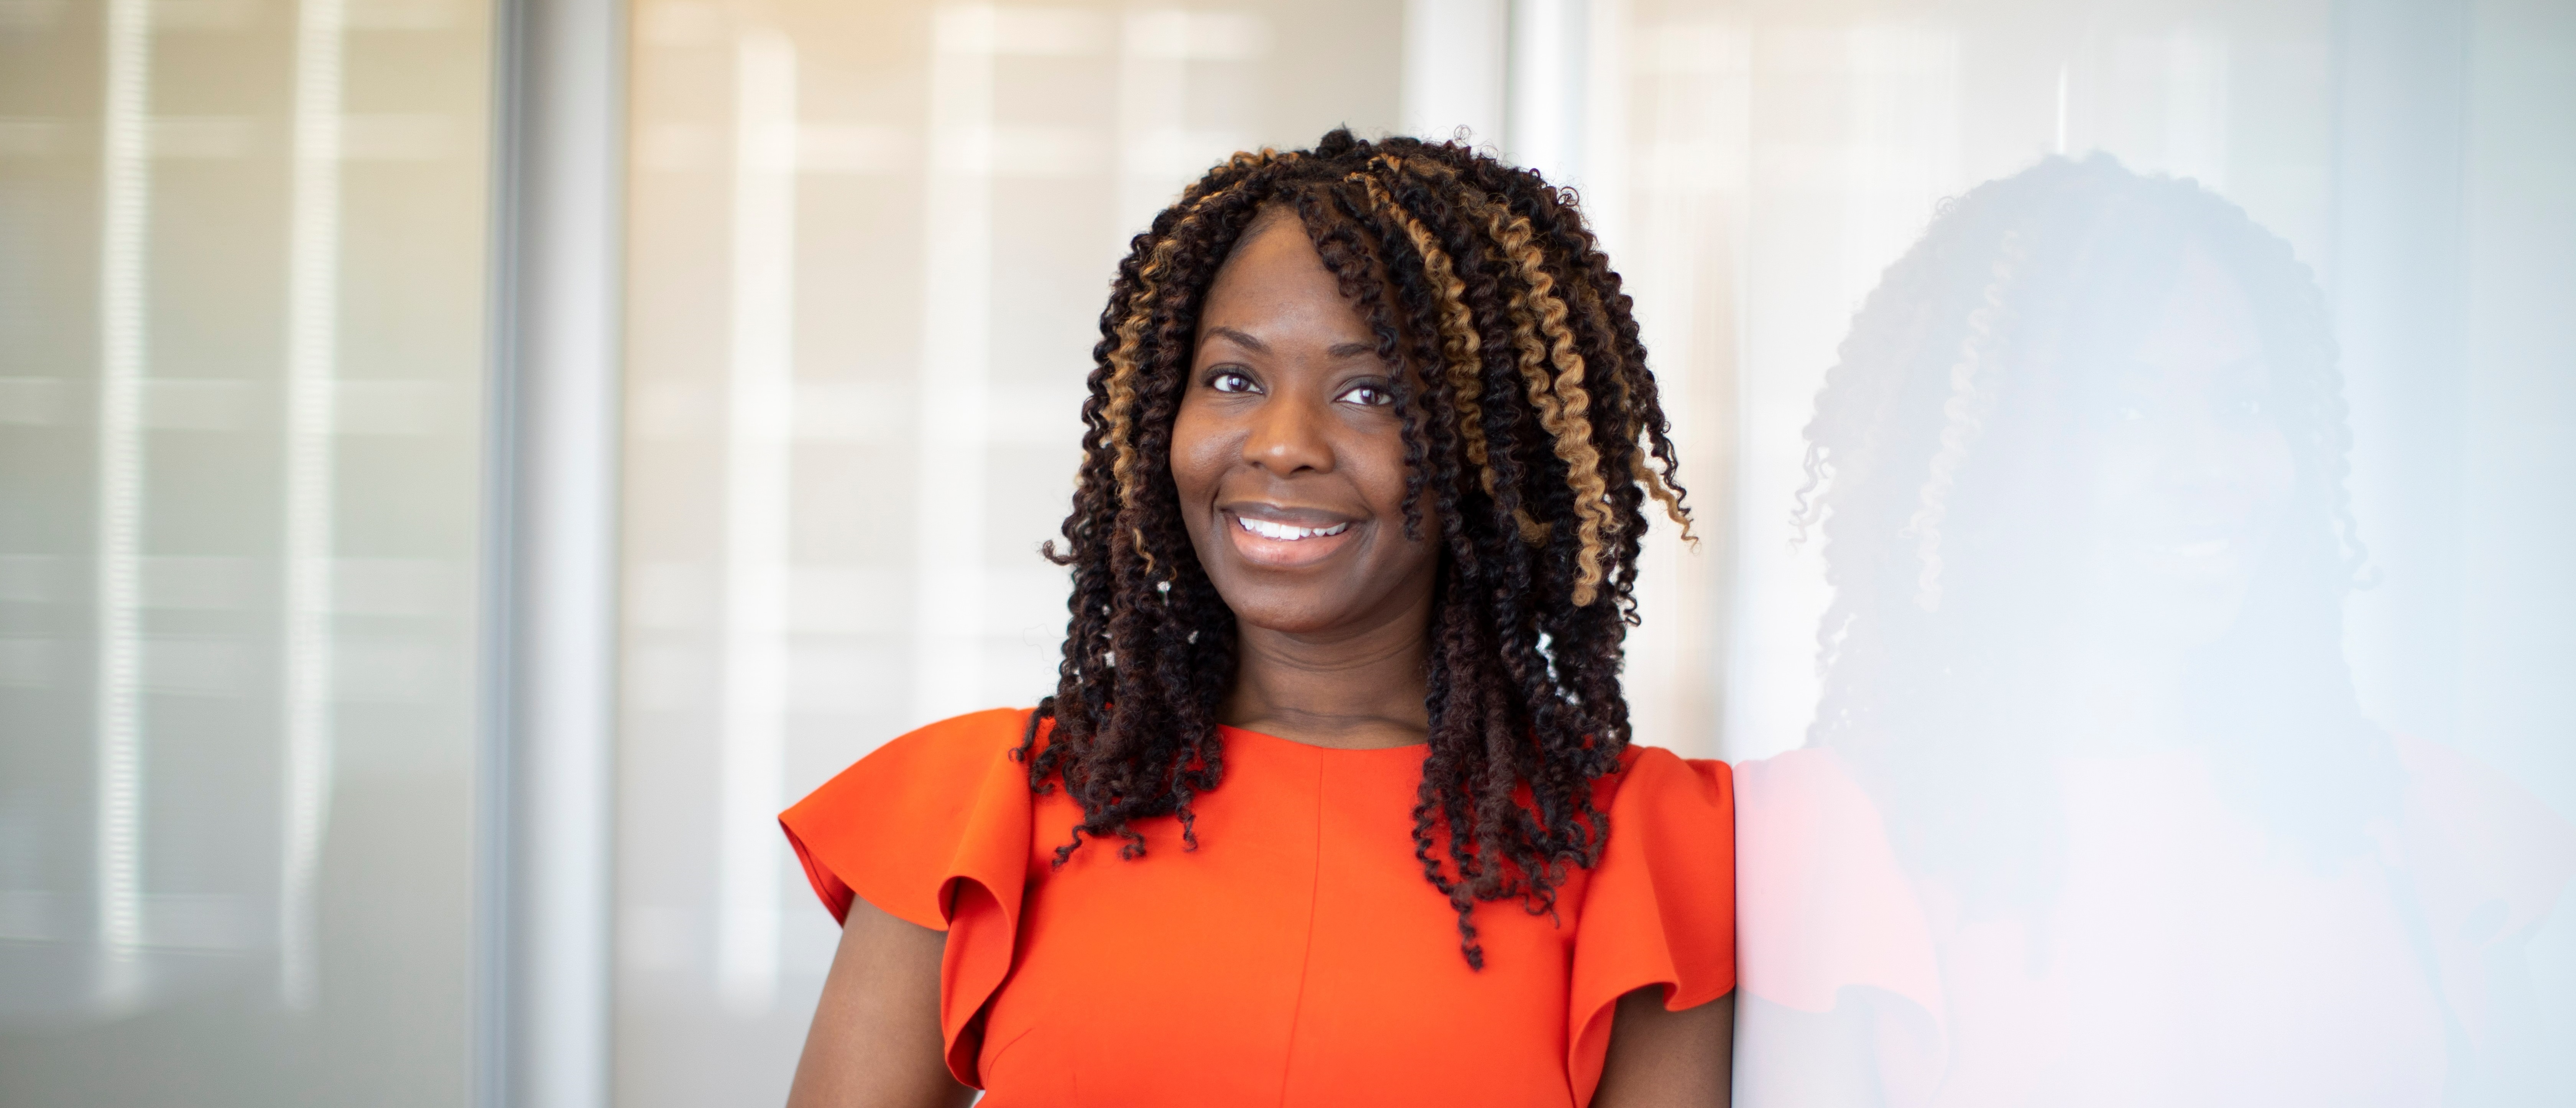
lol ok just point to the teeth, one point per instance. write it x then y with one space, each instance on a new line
1269 530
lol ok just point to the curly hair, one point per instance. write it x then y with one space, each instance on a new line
1945 461
1532 439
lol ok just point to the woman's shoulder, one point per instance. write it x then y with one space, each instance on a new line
1659 906
1669 815
929 766
932 765
891 827
933 828
968 737
1656 778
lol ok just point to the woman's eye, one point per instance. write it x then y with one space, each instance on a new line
1368 396
1226 380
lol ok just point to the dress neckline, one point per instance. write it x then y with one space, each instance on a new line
1415 750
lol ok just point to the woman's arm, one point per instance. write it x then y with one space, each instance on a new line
1659 1059
875 1041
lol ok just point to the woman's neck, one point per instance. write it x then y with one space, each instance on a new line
1355 689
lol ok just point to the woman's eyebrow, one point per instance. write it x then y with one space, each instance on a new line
1240 339
1351 349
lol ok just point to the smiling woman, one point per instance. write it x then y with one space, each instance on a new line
1288 463
1354 545
1303 413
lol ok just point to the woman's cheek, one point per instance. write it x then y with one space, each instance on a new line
1196 455
1380 456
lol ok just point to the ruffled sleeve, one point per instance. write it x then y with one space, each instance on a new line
1660 906
932 828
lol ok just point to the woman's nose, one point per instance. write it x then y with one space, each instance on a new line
1288 435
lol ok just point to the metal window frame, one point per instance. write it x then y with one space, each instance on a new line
546 785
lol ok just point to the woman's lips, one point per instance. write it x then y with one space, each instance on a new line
1282 544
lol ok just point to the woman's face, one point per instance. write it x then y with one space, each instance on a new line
1287 453
2192 472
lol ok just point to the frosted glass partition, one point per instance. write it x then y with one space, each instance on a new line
2173 640
241 347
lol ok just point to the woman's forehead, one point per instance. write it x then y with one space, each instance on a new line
1276 287
1271 214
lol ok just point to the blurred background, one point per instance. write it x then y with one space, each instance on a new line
464 467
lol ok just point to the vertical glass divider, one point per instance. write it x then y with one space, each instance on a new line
546 939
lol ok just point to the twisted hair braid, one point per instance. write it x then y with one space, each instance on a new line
1458 340
1532 436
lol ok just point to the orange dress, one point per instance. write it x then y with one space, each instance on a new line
1297 957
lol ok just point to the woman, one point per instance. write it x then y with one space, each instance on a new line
2090 812
1335 801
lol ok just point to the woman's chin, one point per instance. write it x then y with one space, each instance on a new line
1288 616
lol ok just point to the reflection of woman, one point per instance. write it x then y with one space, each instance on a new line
2089 812
1335 801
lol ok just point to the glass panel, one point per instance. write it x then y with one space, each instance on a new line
241 350
869 246
2139 840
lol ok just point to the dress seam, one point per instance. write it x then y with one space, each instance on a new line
1306 960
